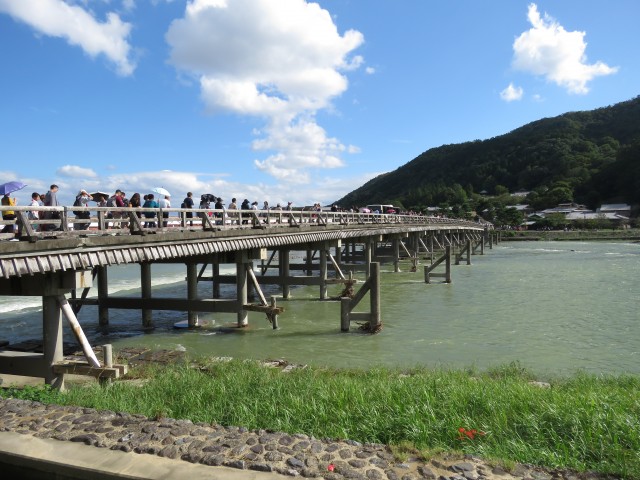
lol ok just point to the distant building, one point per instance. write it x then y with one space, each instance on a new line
524 209
618 208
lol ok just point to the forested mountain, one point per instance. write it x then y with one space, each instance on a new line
588 157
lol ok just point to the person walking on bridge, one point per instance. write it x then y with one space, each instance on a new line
51 200
8 201
82 200
188 203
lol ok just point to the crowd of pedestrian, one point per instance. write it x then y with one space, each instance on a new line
216 209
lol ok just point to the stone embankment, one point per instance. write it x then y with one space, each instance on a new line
238 447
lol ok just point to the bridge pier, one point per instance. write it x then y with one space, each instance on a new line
192 292
51 341
242 288
284 271
145 293
323 271
103 293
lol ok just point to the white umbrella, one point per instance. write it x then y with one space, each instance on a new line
161 191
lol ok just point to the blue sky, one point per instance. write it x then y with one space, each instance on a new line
287 100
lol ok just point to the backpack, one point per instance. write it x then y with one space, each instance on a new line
77 203
110 202
183 205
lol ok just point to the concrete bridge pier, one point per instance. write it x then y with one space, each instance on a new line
103 293
323 271
145 293
215 269
51 340
192 292
284 271
242 286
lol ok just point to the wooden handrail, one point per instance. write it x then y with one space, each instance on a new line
121 220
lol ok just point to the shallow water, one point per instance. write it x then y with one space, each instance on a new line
556 307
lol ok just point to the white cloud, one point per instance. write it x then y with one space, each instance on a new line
511 93
370 70
282 61
129 5
74 171
549 50
57 18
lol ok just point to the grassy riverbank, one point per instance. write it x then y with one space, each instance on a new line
572 235
583 423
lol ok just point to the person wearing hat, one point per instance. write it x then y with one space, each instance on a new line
245 206
82 200
219 215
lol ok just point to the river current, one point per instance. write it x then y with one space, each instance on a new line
555 307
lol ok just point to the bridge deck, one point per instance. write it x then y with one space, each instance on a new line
69 249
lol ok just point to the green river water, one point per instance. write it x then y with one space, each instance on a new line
555 307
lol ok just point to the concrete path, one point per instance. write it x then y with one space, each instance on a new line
47 458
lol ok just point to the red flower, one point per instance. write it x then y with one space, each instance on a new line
331 467
468 434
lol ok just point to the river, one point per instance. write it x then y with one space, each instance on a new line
555 307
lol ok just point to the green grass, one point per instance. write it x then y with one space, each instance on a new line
584 423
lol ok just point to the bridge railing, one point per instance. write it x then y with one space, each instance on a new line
32 223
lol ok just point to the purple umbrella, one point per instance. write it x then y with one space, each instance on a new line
10 187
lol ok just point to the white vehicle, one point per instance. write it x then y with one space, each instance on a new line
379 208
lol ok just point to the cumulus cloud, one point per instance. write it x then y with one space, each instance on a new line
74 171
548 50
57 18
282 61
129 5
511 93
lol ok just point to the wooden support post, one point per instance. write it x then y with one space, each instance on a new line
274 317
368 255
242 289
448 264
215 269
103 295
446 257
145 287
107 355
192 292
285 271
396 255
338 254
374 297
337 268
371 286
345 307
52 340
309 262
468 247
323 272
77 331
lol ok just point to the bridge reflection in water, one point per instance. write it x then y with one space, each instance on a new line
61 263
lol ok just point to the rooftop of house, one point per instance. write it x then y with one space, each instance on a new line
607 207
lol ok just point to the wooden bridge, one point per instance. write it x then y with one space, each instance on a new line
60 258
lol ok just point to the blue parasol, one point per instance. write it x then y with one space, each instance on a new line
10 187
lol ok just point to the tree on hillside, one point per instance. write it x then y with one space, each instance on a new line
587 157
